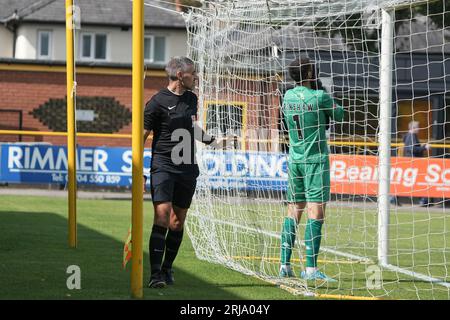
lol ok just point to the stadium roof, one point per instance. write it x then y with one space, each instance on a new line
92 12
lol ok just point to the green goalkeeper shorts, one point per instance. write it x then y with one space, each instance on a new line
308 182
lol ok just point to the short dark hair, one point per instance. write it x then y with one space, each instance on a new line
299 68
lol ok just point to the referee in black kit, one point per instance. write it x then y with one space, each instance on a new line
171 115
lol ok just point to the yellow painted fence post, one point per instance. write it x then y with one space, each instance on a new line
71 134
137 149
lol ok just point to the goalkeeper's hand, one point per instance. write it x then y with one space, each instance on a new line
317 85
225 142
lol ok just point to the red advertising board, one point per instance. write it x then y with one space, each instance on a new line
414 177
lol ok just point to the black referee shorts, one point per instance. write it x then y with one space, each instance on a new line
172 187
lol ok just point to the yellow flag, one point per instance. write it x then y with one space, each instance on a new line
127 249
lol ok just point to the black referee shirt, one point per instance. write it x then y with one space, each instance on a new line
164 113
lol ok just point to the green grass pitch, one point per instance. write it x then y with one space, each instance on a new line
419 242
34 255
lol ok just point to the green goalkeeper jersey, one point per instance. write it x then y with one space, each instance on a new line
306 112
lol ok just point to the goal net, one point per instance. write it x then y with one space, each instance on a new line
387 230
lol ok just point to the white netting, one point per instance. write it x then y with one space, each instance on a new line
242 49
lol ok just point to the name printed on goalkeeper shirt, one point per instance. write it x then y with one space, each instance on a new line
295 106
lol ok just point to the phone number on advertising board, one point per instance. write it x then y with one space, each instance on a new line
88 178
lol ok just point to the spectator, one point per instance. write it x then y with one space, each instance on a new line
413 148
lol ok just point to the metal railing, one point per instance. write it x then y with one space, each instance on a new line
280 140
10 125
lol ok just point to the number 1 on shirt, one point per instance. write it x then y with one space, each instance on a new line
296 119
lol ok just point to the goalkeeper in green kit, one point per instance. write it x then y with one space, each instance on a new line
307 112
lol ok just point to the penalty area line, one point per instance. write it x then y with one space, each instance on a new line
361 259
303 290
416 275
274 259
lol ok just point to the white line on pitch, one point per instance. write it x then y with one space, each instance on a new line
343 254
275 235
417 275
339 253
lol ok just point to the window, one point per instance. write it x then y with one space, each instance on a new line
44 47
155 48
93 46
100 46
224 118
86 41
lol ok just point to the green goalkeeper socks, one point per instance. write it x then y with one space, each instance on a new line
287 240
313 235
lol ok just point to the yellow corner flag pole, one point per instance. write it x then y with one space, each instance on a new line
137 149
71 143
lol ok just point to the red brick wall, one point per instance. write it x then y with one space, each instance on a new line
27 90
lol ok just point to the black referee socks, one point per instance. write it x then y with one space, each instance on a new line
173 242
157 243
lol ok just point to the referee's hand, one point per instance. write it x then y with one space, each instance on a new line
145 182
228 142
